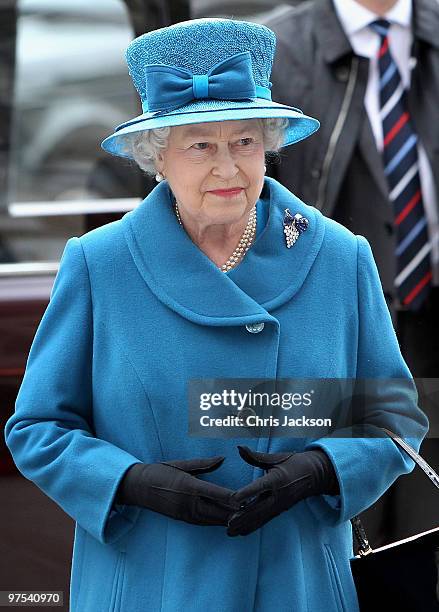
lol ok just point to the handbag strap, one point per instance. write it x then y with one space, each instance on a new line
364 547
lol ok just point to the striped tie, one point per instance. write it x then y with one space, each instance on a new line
413 264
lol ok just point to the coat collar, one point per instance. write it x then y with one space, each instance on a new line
188 282
330 34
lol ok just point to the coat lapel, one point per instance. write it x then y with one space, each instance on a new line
270 273
335 48
330 35
187 281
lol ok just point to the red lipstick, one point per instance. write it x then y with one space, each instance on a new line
224 193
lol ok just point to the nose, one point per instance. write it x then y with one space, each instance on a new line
224 165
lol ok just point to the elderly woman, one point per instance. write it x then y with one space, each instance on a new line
219 273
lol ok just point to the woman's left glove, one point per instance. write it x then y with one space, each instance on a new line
291 477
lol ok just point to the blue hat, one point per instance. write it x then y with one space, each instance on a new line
204 70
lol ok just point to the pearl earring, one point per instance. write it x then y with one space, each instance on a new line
265 169
159 177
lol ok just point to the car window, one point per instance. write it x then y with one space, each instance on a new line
71 89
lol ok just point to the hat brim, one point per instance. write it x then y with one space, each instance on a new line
202 111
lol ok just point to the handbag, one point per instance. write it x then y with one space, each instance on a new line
404 575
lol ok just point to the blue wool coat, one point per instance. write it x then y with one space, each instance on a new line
136 311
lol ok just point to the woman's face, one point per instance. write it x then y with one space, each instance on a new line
215 170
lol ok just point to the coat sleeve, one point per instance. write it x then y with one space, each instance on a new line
50 435
367 466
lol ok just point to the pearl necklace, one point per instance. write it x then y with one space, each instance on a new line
244 244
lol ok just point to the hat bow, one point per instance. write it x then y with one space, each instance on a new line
169 87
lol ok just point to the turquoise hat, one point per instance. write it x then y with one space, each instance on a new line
204 70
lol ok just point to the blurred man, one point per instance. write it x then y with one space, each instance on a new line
369 71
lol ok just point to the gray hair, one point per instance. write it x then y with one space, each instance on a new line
146 146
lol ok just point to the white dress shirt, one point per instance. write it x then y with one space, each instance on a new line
355 20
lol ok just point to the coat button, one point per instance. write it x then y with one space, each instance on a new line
255 328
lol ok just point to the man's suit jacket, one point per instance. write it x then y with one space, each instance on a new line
339 169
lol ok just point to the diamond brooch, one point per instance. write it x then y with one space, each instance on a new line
293 227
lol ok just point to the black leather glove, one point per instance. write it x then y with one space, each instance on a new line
291 477
171 488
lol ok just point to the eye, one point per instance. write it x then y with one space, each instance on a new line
201 146
245 141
